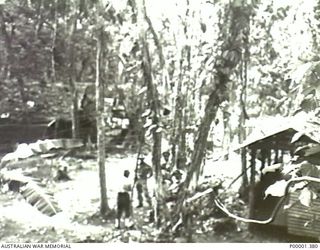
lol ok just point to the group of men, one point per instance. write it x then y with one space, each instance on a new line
143 173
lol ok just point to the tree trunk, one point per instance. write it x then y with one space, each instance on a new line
74 112
252 184
178 140
38 20
8 45
178 117
242 120
216 97
24 98
181 103
156 135
100 122
154 106
231 31
72 73
53 41
243 95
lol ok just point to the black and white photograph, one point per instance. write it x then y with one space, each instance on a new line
159 121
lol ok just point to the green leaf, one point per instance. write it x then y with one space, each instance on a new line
277 189
309 169
148 123
37 197
298 186
313 150
142 90
146 113
32 192
203 27
159 130
296 137
306 197
271 168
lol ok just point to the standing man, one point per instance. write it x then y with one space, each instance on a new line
144 173
165 171
123 201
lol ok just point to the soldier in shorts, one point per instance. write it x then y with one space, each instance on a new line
124 201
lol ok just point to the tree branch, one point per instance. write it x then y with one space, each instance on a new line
198 195
156 40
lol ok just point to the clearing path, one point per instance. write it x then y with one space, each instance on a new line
79 200
80 221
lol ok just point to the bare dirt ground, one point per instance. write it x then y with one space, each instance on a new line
80 221
79 200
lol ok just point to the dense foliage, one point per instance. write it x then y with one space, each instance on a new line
195 74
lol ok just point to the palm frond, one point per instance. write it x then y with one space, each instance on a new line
39 198
32 191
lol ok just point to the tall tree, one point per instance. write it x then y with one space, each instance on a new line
101 38
230 54
153 101
179 157
72 27
7 34
244 17
53 40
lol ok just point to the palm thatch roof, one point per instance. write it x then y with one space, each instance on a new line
285 133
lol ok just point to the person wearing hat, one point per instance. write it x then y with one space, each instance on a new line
165 168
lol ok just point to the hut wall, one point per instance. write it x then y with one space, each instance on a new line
302 220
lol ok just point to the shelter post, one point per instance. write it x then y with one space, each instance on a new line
252 182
